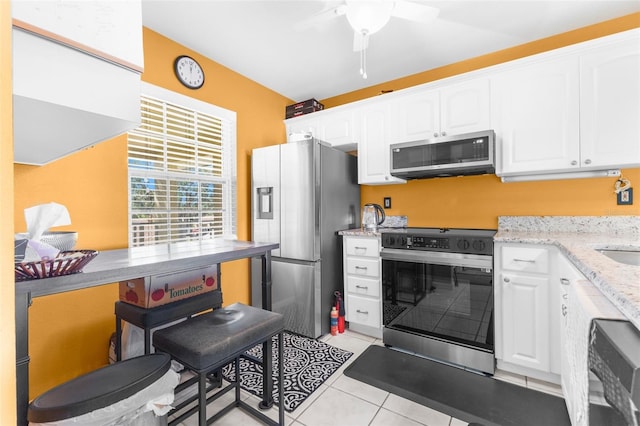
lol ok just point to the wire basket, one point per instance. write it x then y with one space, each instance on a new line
67 262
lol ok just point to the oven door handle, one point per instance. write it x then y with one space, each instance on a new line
438 258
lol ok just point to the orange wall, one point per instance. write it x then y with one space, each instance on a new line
7 299
477 201
69 332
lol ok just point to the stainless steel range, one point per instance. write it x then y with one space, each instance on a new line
438 294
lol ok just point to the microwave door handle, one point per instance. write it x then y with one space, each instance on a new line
438 258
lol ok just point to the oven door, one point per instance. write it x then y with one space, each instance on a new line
441 297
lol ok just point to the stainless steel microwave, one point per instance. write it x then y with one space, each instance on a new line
458 155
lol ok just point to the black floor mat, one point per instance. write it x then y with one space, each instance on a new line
467 396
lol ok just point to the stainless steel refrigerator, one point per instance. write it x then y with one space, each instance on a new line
302 194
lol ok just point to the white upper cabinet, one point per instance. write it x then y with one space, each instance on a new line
76 75
373 149
536 117
308 123
416 116
337 127
571 110
455 109
465 107
610 105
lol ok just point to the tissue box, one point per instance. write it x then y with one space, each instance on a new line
156 290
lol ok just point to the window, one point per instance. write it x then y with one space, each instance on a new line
182 170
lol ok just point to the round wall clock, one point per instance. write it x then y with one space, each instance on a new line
189 72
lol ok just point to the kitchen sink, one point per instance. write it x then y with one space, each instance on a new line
628 257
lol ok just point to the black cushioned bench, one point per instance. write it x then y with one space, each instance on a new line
208 342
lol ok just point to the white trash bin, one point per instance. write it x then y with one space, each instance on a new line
135 392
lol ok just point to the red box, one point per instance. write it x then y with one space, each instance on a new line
156 290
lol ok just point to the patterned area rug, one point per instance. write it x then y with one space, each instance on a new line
308 363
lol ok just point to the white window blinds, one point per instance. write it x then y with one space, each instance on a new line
181 175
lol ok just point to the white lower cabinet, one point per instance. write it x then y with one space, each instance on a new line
363 311
527 325
525 328
362 285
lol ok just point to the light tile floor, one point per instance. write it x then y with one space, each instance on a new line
342 401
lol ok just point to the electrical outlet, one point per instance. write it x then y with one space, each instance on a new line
387 202
625 197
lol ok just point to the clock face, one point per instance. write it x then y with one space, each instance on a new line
189 72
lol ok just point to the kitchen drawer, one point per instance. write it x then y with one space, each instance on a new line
363 311
363 286
368 247
525 259
366 267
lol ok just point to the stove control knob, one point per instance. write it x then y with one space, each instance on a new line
463 244
479 245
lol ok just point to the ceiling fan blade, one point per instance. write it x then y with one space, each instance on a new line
320 18
360 41
414 11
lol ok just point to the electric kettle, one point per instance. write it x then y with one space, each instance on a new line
372 217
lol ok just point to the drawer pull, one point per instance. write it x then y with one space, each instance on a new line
362 312
363 287
360 248
564 310
524 260
564 281
364 268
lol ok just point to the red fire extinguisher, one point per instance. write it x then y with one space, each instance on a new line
340 309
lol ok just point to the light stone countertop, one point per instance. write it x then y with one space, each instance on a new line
359 232
579 238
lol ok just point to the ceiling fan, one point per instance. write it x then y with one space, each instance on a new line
367 17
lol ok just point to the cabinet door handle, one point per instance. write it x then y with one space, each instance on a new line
507 279
564 310
574 163
524 260
362 312
364 287
564 281
435 135
443 133
587 161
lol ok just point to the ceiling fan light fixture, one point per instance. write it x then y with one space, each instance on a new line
368 17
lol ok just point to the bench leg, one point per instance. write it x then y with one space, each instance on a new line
118 343
202 399
147 341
